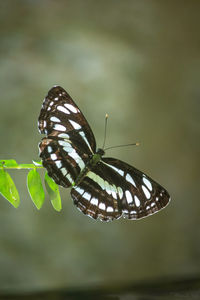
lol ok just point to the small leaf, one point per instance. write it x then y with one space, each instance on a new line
8 163
53 191
35 188
8 188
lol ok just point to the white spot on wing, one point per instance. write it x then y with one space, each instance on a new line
107 187
63 109
146 192
58 164
59 127
102 206
85 139
130 179
49 149
68 149
121 172
137 201
147 183
64 171
69 178
79 190
129 197
109 209
44 123
114 190
120 192
63 135
71 107
96 178
76 157
54 119
81 164
53 156
101 182
64 143
110 189
87 196
94 201
75 125
82 134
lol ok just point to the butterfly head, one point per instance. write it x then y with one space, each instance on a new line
100 151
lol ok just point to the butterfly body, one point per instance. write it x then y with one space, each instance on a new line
101 187
89 166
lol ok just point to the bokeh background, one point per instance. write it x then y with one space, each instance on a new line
138 61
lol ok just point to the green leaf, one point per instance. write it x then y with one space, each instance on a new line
53 191
8 188
35 188
11 163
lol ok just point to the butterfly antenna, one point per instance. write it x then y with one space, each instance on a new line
105 130
134 144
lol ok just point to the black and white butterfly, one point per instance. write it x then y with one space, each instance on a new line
101 187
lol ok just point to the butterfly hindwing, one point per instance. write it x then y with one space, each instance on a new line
94 201
63 160
113 189
142 196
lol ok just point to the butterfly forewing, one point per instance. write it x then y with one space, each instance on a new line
69 142
113 189
59 114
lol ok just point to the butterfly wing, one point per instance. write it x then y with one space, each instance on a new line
113 189
70 140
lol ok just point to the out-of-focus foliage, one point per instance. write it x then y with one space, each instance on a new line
138 61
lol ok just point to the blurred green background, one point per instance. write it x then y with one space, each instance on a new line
138 61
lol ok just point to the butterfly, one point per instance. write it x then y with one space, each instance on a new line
101 187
